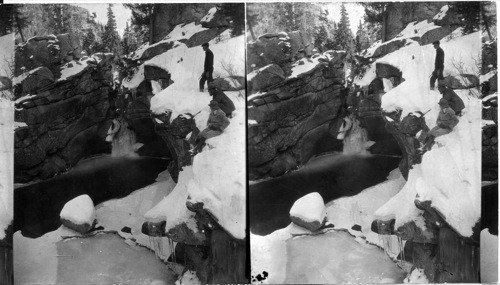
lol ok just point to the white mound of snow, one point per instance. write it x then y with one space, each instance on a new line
188 278
442 13
489 257
79 210
309 208
220 174
172 208
417 276
211 13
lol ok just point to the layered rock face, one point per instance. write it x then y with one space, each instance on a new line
290 116
404 13
65 114
168 16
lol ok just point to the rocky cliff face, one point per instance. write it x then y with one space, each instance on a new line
64 104
289 117
401 14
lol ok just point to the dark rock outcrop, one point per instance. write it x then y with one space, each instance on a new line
166 17
403 13
462 81
292 117
48 51
66 121
278 48
265 77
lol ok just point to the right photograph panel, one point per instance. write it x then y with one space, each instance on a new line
372 142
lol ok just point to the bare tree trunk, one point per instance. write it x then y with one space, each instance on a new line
384 23
151 23
484 20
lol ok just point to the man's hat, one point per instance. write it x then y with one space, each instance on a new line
441 83
443 102
204 45
211 86
213 103
435 43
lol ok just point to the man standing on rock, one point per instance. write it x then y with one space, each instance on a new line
453 99
438 64
225 104
208 68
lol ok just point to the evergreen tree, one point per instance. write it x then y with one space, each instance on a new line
376 14
469 15
111 39
58 18
236 13
290 16
129 42
142 20
343 35
6 19
488 17
320 33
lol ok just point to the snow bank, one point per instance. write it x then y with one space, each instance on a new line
417 63
217 176
220 174
449 175
268 253
173 207
7 164
489 257
7 58
359 209
79 210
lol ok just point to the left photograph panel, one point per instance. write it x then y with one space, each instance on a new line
129 143
6 143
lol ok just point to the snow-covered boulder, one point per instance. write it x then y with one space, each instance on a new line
214 18
309 212
462 81
446 17
264 77
79 214
386 70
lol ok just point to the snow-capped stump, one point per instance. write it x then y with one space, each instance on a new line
309 211
79 214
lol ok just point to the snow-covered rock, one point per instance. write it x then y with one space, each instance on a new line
79 214
446 17
309 212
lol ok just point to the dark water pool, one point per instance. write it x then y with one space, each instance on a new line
333 176
37 206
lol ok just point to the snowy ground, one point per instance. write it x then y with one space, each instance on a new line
281 252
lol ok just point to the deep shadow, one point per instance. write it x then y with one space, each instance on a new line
37 206
489 208
332 176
